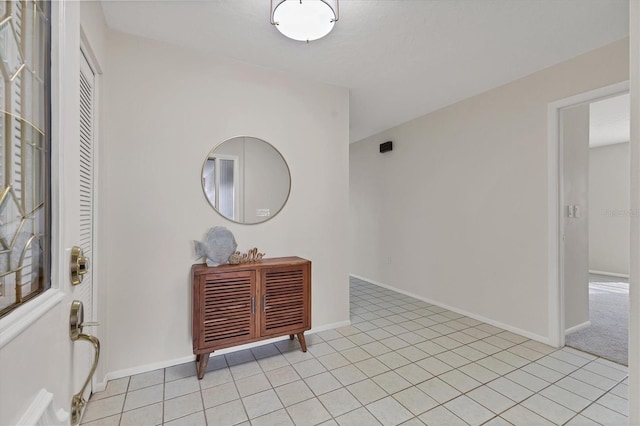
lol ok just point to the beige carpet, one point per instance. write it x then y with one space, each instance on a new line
607 336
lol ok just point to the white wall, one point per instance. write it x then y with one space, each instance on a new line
167 108
460 205
609 209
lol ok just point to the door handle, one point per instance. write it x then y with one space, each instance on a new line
79 265
76 323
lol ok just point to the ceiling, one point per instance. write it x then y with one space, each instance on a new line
610 121
400 59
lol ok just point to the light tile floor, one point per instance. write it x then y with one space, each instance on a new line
402 361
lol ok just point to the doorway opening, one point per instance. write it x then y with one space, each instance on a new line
589 217
599 324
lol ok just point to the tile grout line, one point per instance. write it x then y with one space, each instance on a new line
164 391
454 324
240 397
274 388
453 369
204 410
595 401
515 369
521 368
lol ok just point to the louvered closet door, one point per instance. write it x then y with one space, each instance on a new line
227 308
84 291
285 300
82 202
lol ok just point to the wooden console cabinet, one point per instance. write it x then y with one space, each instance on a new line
238 304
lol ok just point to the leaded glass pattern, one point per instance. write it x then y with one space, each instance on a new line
24 151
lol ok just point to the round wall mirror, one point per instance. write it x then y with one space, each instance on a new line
246 180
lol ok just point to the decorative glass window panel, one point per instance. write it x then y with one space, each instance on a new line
25 224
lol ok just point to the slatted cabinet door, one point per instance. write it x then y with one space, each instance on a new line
238 304
227 309
285 299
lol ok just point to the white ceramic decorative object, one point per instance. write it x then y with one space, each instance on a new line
217 246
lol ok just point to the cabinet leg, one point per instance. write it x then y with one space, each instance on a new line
202 360
291 337
303 343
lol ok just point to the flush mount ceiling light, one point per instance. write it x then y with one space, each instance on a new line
304 20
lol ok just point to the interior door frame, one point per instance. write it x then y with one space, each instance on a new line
556 298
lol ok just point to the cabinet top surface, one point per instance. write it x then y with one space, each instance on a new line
266 262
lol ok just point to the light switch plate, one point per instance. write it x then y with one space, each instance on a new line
263 212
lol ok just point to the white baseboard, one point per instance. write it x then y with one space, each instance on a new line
145 368
609 274
577 327
42 412
100 386
332 326
516 330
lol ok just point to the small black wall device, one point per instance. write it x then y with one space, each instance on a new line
386 147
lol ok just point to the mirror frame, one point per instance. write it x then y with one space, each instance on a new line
204 192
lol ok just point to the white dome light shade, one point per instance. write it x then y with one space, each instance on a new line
304 20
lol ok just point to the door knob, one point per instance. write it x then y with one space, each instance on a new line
79 265
76 322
